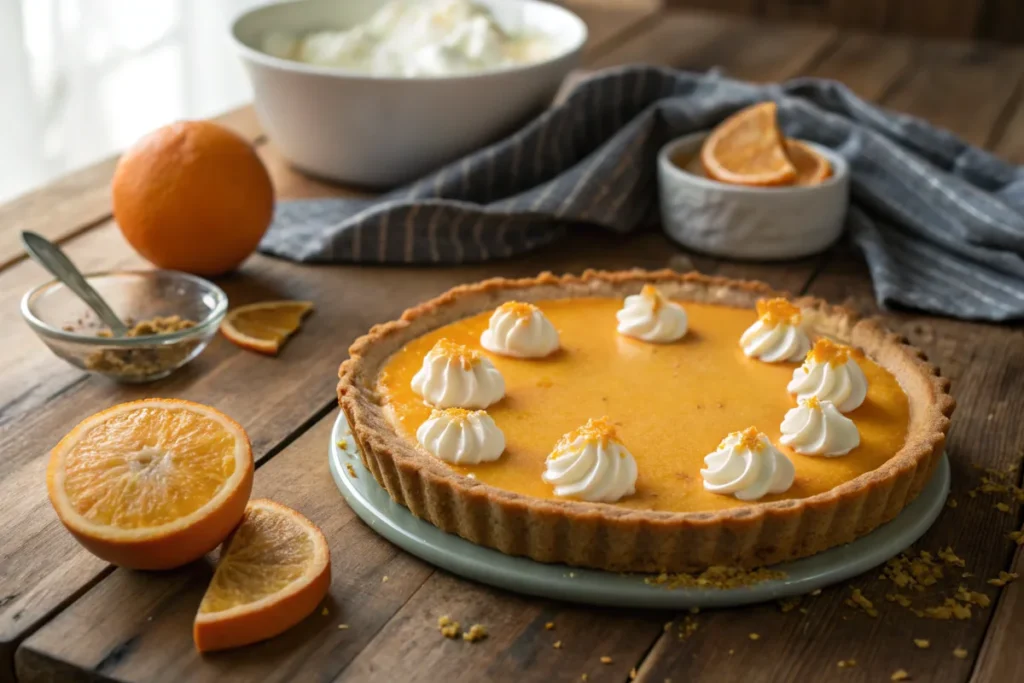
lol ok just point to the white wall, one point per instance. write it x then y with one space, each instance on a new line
82 79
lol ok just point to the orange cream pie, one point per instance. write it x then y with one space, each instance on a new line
709 451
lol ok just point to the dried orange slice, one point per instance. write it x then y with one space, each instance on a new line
747 149
273 572
265 326
152 484
811 167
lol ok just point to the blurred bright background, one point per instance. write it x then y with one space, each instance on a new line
82 79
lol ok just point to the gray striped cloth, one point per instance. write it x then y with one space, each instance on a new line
941 223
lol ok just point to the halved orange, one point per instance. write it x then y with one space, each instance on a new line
273 572
152 484
748 149
811 167
264 327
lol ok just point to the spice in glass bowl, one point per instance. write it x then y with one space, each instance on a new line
145 361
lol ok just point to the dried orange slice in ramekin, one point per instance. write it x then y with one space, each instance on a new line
748 149
811 167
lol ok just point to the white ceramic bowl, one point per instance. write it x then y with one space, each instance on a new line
736 221
381 132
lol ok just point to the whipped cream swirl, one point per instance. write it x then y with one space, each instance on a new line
776 336
520 330
651 317
454 376
461 437
748 466
818 428
591 464
830 373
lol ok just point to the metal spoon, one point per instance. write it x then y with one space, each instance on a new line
49 256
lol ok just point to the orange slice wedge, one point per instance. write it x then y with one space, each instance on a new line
747 149
272 574
152 484
811 167
265 326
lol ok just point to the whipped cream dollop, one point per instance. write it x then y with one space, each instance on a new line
461 437
417 39
520 330
748 466
818 428
831 373
651 317
590 463
454 376
776 336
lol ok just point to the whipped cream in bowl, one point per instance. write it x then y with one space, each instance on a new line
650 317
591 464
748 466
831 373
520 330
461 437
455 376
417 39
818 428
776 337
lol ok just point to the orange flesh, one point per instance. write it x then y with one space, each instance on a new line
267 553
148 467
671 404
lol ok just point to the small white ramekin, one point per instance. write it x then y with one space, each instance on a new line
738 221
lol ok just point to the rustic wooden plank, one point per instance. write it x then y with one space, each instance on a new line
608 22
983 75
519 647
1001 657
867 64
81 200
746 49
1008 140
948 19
148 636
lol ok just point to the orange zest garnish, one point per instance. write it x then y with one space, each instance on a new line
773 312
750 438
264 327
272 574
446 348
456 414
811 402
811 167
651 293
596 431
827 351
152 484
520 309
748 149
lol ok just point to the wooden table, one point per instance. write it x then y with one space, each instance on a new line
64 615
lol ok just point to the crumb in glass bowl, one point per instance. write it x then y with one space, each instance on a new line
146 361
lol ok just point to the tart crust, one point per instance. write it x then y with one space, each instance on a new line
608 537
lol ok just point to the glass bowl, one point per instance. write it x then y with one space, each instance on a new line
73 332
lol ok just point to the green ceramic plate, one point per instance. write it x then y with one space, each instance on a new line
398 525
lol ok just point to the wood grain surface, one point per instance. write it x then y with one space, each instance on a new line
68 616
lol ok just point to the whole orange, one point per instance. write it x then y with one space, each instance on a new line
193 196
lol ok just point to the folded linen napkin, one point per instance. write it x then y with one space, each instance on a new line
941 223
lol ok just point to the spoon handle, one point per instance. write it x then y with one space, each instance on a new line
50 256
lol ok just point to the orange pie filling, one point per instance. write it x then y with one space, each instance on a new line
671 404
